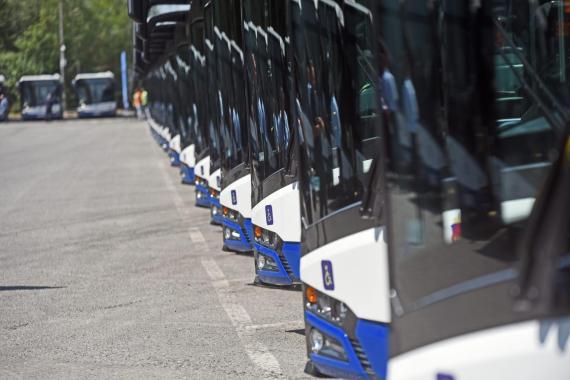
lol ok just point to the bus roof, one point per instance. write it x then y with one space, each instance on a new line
101 75
36 78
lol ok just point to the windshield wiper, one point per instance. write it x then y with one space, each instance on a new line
373 197
290 153
546 234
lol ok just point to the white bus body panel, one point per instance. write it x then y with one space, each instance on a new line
242 188
286 210
215 180
98 108
360 273
524 351
175 144
202 168
40 111
187 156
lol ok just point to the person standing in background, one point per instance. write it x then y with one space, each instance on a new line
4 107
137 103
144 101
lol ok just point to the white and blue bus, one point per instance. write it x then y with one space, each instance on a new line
215 110
275 195
40 97
95 94
235 195
200 109
469 276
344 263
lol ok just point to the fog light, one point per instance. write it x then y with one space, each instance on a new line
316 340
227 233
260 262
235 234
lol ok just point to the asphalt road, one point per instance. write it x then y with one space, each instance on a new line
107 270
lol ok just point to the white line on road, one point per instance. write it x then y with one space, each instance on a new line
293 325
257 352
178 201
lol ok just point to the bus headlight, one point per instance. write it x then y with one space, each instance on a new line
317 340
200 182
325 345
325 306
266 238
266 263
214 193
232 215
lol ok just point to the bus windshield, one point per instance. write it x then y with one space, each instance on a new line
182 88
36 93
199 103
234 137
92 91
266 65
337 108
466 160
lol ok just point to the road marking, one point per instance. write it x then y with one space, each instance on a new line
178 201
288 324
196 236
258 353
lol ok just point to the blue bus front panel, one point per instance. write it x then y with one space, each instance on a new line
186 174
363 357
237 237
285 270
202 195
174 157
216 216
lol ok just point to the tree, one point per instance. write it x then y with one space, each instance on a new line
96 31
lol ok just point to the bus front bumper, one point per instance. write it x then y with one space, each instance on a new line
364 356
285 270
186 174
237 237
216 211
174 157
202 196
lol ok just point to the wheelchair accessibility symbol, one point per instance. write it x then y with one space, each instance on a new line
328 278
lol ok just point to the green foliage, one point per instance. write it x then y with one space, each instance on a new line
95 31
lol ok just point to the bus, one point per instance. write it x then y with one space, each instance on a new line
468 195
95 94
205 141
187 160
344 257
235 194
215 113
274 187
40 97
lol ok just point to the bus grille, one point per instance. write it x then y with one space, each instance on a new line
363 359
285 264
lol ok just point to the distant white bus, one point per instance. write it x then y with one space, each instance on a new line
40 96
96 94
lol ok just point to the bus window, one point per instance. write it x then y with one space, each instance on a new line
476 109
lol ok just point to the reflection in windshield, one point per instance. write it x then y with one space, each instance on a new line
467 160
37 93
336 104
265 32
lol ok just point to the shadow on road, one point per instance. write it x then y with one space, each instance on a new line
27 287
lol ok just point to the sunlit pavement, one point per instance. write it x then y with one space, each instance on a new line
108 270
